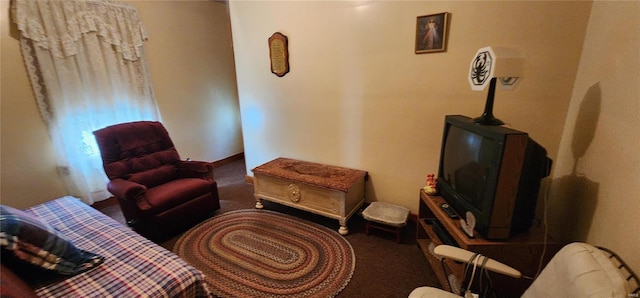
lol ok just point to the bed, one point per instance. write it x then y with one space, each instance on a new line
132 266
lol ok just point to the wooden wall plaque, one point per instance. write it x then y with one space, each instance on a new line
279 54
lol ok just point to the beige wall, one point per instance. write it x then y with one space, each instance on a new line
595 193
27 164
191 63
358 96
190 57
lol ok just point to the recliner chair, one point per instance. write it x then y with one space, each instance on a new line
577 270
159 194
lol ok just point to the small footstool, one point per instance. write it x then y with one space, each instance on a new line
386 214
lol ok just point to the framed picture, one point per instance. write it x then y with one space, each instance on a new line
279 54
431 33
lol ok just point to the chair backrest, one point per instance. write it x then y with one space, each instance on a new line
138 151
580 270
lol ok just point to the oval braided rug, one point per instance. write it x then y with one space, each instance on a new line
262 253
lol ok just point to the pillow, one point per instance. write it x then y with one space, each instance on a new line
34 241
155 177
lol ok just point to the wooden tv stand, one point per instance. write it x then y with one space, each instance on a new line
522 252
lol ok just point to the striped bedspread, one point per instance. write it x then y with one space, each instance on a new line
133 265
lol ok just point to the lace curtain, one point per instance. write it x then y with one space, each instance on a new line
87 69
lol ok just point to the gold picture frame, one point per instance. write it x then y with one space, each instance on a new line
431 33
279 54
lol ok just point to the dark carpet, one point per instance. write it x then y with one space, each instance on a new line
384 268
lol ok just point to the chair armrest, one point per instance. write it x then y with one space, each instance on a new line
463 255
195 169
124 189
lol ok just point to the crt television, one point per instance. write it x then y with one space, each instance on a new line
494 172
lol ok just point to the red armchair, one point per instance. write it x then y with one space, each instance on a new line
160 195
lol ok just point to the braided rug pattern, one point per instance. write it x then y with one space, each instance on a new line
262 253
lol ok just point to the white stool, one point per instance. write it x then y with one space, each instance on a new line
387 215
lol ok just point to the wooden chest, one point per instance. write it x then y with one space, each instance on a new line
330 191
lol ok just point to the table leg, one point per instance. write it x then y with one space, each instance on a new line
343 230
259 203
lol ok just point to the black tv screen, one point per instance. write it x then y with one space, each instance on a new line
494 172
468 159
